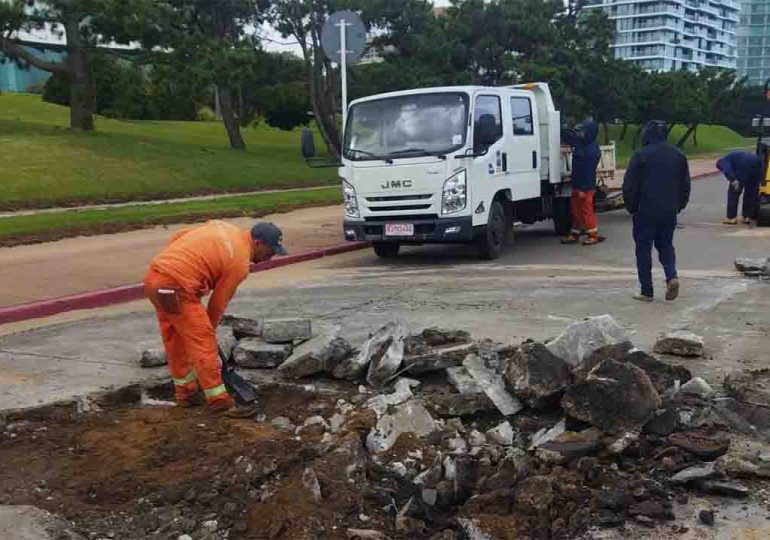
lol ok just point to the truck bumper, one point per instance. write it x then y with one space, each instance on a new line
426 231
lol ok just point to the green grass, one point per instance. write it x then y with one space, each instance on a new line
43 163
50 226
711 139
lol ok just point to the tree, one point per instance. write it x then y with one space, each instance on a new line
86 26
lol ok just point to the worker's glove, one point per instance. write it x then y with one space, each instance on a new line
736 185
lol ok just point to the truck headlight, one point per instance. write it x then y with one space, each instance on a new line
455 194
350 200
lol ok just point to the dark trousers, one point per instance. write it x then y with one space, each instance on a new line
659 232
750 200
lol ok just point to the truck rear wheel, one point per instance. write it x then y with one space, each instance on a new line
386 250
492 238
562 216
763 215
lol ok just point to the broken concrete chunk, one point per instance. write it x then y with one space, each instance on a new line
616 351
680 343
286 330
402 391
701 471
725 489
439 337
697 387
385 350
535 374
749 386
743 264
283 424
310 483
438 359
242 327
492 384
664 376
615 397
409 417
448 405
502 434
254 353
459 377
570 445
226 341
548 434
153 358
703 445
584 337
321 353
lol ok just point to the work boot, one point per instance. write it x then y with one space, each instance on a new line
593 238
642 297
730 221
570 239
749 221
672 289
222 403
188 397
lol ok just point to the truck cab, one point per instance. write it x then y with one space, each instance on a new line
452 165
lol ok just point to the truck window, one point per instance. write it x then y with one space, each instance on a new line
521 110
487 122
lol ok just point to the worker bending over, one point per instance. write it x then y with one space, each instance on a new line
212 258
744 172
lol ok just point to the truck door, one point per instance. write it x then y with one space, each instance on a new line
488 170
523 147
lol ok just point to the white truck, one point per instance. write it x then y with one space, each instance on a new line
451 165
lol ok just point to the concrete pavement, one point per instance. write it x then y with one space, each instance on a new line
533 291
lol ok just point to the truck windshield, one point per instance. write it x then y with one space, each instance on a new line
407 126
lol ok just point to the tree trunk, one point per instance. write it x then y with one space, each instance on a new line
229 119
635 142
683 138
606 133
82 99
624 131
695 135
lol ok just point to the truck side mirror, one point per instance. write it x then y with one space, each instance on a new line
308 144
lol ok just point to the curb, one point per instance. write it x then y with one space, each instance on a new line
127 293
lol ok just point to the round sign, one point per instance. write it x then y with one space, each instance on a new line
355 36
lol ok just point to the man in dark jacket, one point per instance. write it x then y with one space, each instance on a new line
585 158
656 188
744 172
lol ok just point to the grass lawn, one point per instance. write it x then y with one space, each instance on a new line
43 163
54 226
711 139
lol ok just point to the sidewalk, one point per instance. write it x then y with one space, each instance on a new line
74 265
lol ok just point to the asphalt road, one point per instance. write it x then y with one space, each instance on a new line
533 291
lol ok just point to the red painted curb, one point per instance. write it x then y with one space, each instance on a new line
127 293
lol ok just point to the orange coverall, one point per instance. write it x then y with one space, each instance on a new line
213 258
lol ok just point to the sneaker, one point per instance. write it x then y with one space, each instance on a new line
749 221
730 221
643 297
570 239
672 289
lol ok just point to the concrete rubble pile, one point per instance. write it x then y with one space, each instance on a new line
582 431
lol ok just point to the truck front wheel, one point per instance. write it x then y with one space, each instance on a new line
386 250
492 237
562 216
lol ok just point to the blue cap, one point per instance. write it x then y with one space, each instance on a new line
270 234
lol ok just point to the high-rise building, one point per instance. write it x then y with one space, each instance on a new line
663 35
753 41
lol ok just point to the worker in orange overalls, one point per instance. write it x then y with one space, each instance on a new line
211 258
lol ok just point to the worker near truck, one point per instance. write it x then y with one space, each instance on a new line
744 172
211 258
585 159
656 187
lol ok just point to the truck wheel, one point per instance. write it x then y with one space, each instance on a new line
763 215
562 216
492 238
386 250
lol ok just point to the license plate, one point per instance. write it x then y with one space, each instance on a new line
399 229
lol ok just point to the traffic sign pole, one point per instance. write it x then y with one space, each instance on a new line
344 70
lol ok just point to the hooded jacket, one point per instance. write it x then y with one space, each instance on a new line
745 167
585 155
657 181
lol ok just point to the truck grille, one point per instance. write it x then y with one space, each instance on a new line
395 198
399 208
413 218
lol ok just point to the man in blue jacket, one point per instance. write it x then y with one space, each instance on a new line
744 172
585 158
656 188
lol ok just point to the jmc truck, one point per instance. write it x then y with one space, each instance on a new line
451 165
